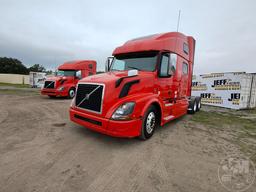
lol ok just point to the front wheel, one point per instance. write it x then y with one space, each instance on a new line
71 93
150 123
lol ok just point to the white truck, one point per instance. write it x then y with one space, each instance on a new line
36 79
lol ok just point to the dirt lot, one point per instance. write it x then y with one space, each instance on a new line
41 150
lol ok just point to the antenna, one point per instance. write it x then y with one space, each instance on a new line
178 23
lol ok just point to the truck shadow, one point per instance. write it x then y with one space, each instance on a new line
105 139
160 133
55 98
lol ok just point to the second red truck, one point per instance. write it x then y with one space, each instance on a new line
148 84
63 84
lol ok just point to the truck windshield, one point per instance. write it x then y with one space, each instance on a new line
65 73
142 61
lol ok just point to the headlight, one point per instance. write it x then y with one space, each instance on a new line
61 88
124 111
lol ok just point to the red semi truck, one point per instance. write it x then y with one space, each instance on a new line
64 83
147 84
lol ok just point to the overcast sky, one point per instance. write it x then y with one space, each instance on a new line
50 32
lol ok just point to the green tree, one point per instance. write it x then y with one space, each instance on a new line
12 65
37 68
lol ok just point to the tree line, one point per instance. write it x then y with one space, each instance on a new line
14 66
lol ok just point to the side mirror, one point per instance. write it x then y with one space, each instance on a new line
171 70
172 64
78 74
108 63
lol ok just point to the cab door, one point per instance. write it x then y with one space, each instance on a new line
168 84
184 79
182 88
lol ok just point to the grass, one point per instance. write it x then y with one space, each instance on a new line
251 111
19 92
243 128
15 85
225 118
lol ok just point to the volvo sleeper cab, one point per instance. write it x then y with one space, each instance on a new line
147 84
63 84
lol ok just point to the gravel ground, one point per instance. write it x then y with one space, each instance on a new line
41 150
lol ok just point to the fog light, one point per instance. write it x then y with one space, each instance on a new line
61 88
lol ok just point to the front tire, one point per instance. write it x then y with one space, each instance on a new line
71 93
150 123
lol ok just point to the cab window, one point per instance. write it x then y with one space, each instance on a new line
141 61
119 65
185 68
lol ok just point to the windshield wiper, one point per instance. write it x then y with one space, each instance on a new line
134 68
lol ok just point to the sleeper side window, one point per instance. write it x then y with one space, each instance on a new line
185 68
185 48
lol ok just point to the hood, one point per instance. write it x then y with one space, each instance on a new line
57 78
118 77
111 77
115 82
106 77
60 80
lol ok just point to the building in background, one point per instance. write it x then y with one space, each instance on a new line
14 78
229 90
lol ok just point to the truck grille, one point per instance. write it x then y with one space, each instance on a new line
49 84
89 97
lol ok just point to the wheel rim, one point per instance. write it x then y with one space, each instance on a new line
71 93
199 105
195 106
150 123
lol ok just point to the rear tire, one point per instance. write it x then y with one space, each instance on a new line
150 123
192 107
71 93
198 99
52 96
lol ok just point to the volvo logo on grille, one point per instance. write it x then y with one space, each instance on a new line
87 96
